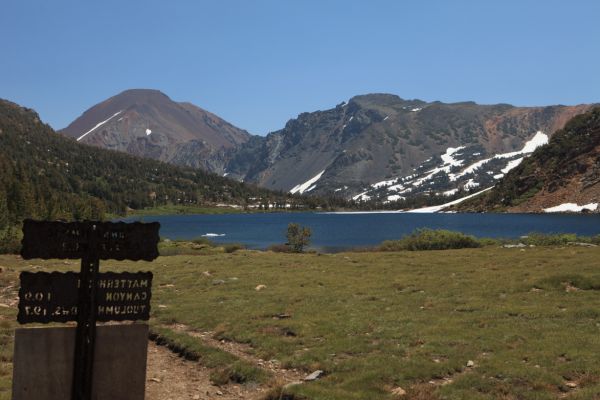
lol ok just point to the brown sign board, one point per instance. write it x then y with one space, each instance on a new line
44 361
53 296
73 240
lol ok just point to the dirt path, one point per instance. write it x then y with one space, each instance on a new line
169 376
283 376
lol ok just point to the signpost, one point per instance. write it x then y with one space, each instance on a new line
87 296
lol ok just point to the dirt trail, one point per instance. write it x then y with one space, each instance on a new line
169 376
282 375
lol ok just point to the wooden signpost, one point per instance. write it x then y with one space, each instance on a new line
87 296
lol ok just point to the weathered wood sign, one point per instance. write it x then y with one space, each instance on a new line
88 296
53 296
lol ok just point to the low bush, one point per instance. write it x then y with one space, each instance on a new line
430 239
233 247
280 248
203 241
541 239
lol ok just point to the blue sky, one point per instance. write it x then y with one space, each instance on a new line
259 63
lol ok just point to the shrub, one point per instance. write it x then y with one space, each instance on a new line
203 241
10 240
429 239
280 248
540 239
233 247
298 237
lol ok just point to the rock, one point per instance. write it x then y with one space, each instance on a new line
582 244
398 392
513 246
470 364
571 385
219 393
196 397
218 282
314 376
282 316
206 273
155 380
260 287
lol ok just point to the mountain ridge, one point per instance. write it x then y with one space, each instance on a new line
352 147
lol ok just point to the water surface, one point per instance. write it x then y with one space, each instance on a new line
333 231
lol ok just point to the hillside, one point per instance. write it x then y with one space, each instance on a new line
45 175
561 176
383 148
148 123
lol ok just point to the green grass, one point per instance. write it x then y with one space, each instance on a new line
376 320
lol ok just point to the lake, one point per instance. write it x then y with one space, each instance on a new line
338 231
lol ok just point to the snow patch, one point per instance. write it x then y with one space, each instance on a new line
470 184
148 132
572 207
395 197
386 117
384 183
451 192
98 125
447 157
213 234
511 165
361 197
308 185
434 209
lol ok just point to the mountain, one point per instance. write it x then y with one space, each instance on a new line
375 148
148 123
564 175
382 148
46 175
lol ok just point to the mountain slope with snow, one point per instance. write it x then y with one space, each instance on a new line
562 176
383 148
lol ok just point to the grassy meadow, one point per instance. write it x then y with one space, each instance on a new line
481 323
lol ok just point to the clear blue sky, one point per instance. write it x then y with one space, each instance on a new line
259 63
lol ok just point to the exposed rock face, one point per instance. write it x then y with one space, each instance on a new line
562 176
366 146
148 123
